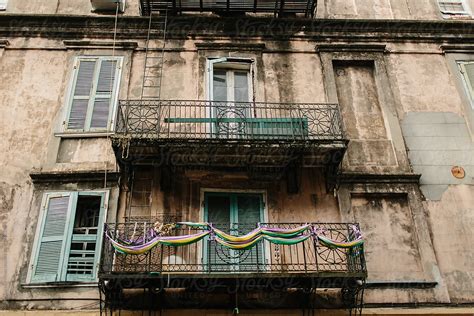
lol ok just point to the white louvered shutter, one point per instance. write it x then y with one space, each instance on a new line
53 239
452 6
467 70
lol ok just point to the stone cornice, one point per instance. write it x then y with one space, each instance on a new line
79 176
379 178
457 48
82 44
374 48
76 27
230 46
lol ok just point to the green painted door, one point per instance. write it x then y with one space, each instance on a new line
236 214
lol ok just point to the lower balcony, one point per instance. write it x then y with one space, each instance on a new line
271 257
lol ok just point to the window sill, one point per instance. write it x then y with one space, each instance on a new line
83 134
48 285
458 16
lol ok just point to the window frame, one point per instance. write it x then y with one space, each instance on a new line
68 234
231 63
467 84
93 95
465 12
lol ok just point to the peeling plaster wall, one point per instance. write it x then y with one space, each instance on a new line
34 84
436 142
76 7
452 219
358 96
382 9
438 138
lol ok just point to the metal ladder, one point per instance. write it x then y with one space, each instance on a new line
153 68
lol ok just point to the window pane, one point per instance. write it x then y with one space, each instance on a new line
219 85
87 212
241 87
82 250
218 211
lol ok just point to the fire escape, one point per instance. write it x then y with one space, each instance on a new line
266 140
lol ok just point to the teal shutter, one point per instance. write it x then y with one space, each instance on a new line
81 94
92 95
84 249
248 209
236 214
53 238
104 94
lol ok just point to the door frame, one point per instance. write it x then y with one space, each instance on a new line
230 63
203 191
202 213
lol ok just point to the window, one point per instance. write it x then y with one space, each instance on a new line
3 5
93 94
233 112
68 238
453 7
230 79
467 71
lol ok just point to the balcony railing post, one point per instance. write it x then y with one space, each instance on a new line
127 115
304 258
315 248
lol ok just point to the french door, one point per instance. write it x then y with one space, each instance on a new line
230 91
235 214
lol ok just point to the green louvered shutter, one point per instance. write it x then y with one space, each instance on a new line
53 238
81 94
467 70
92 96
103 94
86 242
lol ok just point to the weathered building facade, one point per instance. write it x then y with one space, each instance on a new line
340 115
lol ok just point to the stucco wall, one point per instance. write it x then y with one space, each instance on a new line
35 75
338 9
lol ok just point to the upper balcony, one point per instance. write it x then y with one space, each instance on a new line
225 134
277 7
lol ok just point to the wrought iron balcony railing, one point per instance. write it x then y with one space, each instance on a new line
306 7
170 120
208 258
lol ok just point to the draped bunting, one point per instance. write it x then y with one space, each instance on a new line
279 236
